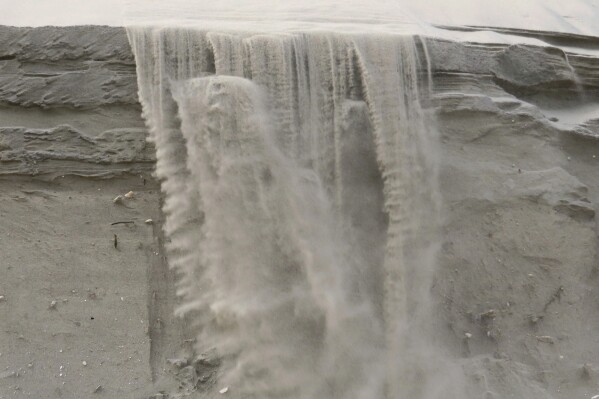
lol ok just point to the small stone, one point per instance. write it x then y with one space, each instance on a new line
205 360
2 298
53 305
84 363
30 365
130 195
149 221
489 314
569 158
118 199
98 389
468 335
553 119
224 390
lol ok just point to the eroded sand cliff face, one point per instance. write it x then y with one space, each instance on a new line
75 288
517 284
519 261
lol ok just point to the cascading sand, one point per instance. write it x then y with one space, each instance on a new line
302 205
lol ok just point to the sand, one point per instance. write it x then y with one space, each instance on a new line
516 288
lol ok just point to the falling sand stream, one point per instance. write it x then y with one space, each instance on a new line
302 205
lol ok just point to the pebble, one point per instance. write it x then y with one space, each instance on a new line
53 305
118 199
84 363
2 298
224 390
149 221
468 335
130 195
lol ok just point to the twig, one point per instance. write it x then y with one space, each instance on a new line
125 222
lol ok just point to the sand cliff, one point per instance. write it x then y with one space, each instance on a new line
517 286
